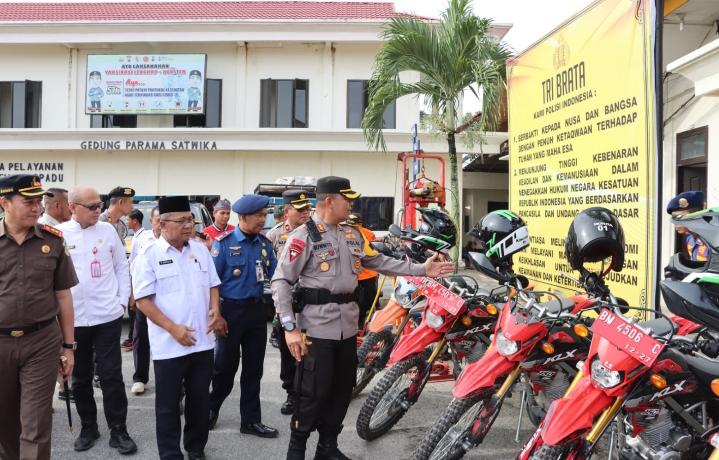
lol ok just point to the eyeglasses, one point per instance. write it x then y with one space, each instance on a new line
187 221
91 207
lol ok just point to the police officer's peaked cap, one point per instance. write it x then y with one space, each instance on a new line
686 201
195 72
299 199
222 205
24 184
334 184
250 204
173 204
95 73
121 192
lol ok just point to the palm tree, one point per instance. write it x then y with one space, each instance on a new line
451 56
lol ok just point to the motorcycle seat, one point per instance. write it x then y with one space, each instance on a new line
557 306
660 327
706 370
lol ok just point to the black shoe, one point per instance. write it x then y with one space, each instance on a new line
327 446
87 439
195 456
288 407
62 395
213 419
258 429
120 440
297 446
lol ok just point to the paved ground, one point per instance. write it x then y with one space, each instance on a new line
226 442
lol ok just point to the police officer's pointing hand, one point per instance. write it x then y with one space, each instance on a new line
435 268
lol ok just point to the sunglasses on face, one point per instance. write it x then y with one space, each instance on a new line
91 207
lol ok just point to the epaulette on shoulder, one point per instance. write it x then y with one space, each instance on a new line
52 230
223 235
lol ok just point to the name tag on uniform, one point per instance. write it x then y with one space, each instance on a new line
165 262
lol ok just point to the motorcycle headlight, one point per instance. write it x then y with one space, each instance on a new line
506 347
433 320
603 377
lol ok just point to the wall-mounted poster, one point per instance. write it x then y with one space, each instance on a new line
145 84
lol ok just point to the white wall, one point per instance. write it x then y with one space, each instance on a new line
46 63
327 66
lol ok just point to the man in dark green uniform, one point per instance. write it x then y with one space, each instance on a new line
36 319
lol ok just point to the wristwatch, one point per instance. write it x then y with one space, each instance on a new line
289 326
70 346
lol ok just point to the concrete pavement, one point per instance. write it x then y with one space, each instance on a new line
226 442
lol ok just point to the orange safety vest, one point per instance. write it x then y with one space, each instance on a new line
366 274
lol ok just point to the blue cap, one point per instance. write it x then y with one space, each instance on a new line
686 201
250 204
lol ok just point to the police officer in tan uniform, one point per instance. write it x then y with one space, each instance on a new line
296 211
36 319
325 257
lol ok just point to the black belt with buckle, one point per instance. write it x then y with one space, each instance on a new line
312 296
20 331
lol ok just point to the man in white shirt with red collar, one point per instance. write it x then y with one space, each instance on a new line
176 287
99 300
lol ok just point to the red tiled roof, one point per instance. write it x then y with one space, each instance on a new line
196 11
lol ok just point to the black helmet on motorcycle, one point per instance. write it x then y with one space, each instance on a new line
503 233
437 231
595 235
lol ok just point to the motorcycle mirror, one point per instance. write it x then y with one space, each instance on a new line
523 281
623 306
395 230
481 263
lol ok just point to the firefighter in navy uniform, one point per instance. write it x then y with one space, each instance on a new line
244 259
325 257
296 211
693 248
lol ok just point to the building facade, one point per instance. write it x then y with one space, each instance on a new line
285 91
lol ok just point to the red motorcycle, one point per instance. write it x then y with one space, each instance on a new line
540 342
454 327
637 368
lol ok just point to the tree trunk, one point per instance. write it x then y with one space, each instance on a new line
455 192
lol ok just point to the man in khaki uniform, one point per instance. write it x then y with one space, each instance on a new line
36 319
326 257
296 211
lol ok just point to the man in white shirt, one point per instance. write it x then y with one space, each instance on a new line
56 207
99 300
134 223
176 287
140 340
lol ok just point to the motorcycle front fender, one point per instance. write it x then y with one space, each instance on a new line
575 412
387 316
482 374
414 343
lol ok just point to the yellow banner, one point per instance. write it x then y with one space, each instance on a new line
581 134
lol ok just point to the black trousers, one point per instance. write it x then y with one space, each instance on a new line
132 314
326 379
103 342
366 290
287 363
141 349
192 372
247 338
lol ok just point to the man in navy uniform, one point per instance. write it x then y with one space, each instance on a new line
244 259
296 211
693 248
